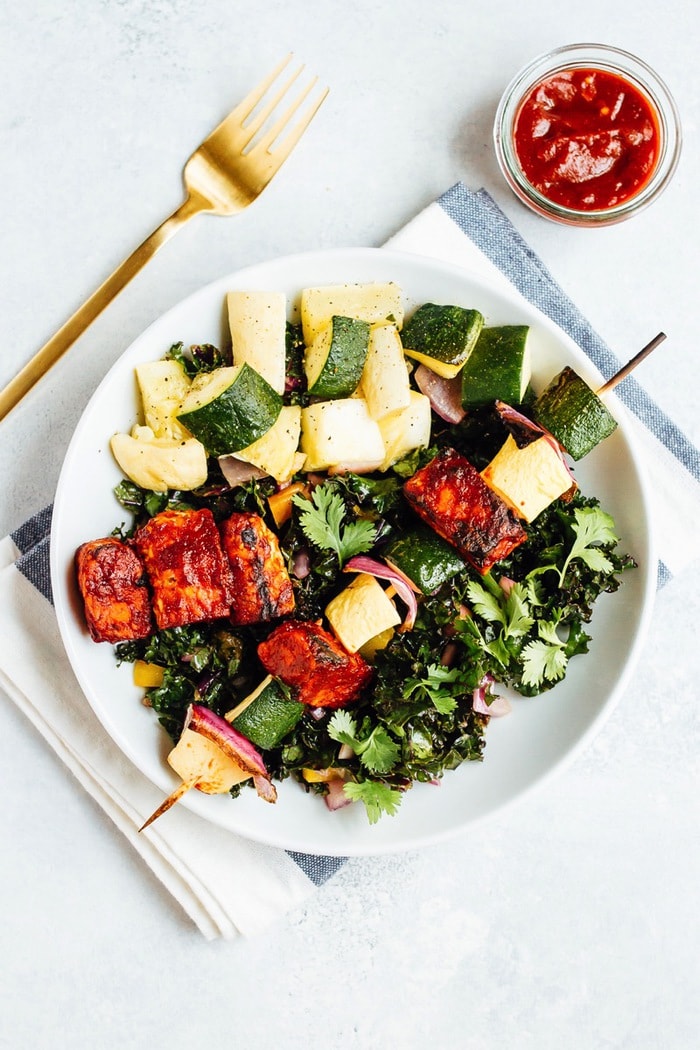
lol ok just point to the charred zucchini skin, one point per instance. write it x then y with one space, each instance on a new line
497 368
269 717
241 408
442 337
425 558
339 374
573 414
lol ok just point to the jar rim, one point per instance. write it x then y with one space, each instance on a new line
610 59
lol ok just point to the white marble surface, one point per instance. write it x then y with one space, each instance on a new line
571 920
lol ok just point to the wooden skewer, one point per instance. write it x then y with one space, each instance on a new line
169 801
631 364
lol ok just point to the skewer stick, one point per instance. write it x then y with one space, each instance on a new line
169 801
631 364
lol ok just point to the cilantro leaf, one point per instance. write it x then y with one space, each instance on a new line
434 687
518 618
322 520
485 603
376 751
379 752
545 657
343 728
378 797
591 525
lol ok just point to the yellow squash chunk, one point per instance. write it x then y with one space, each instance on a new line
340 434
201 763
406 429
258 325
276 452
528 479
163 386
159 464
360 612
384 382
378 303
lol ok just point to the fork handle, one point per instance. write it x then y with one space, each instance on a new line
74 327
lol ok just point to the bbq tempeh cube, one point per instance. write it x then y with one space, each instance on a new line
187 569
308 658
262 589
451 496
113 587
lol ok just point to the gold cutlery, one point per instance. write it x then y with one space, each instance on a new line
228 171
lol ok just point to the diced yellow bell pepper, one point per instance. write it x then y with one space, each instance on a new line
147 676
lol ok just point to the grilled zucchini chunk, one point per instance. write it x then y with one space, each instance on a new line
334 362
574 414
262 589
450 495
442 337
186 567
267 715
318 669
112 584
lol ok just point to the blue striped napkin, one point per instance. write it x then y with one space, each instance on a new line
230 887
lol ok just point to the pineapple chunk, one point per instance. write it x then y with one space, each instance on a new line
201 763
406 429
276 452
163 386
528 479
340 433
258 326
384 382
361 612
375 303
159 464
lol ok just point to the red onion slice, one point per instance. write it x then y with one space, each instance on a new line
382 571
445 395
237 471
207 723
499 706
336 797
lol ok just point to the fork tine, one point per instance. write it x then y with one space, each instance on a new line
274 132
246 106
270 106
289 141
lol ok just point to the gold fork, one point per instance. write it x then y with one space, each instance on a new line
224 175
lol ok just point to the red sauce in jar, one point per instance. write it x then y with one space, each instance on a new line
587 139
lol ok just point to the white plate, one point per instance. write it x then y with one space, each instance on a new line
522 749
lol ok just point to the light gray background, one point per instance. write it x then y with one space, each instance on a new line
572 920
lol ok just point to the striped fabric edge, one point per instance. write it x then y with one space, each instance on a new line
32 540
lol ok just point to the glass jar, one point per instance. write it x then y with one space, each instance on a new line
566 138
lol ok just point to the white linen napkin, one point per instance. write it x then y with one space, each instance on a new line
228 886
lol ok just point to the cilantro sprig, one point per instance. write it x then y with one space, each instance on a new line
378 797
591 526
441 686
378 753
323 521
375 748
